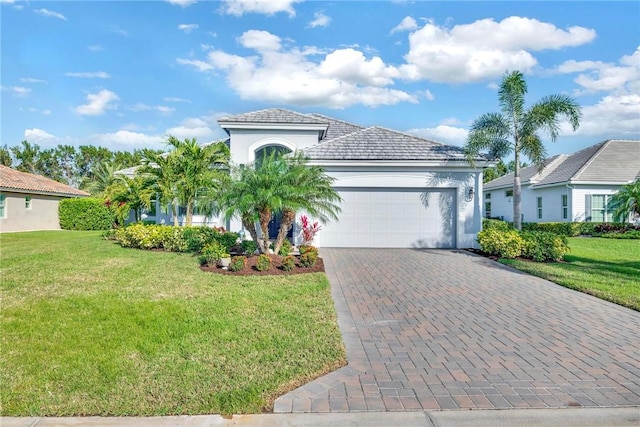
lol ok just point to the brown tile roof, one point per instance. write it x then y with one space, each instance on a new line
13 180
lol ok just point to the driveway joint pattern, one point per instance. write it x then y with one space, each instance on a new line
435 329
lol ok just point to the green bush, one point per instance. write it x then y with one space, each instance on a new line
505 244
212 252
238 263
248 247
285 248
496 224
307 248
85 214
196 238
141 236
631 234
173 239
288 263
228 239
310 257
264 262
570 229
543 246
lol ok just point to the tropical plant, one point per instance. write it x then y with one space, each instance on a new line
281 184
136 192
516 129
5 156
104 175
163 171
201 172
625 204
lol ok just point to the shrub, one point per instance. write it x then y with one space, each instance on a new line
140 236
496 224
631 234
173 239
109 234
570 229
285 248
212 252
310 257
308 230
505 244
248 246
288 263
544 246
307 248
85 214
196 238
264 262
228 239
238 263
614 228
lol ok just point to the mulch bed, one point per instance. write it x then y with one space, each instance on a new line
275 270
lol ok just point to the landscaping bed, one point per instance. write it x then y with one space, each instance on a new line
275 269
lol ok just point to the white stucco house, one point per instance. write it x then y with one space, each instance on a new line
29 202
570 188
398 190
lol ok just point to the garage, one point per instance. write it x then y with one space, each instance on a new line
393 218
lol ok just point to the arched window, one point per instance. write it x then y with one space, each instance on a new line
268 150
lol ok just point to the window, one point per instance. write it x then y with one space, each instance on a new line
539 204
565 206
27 202
487 209
508 193
3 206
487 196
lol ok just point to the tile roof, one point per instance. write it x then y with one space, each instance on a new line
377 143
273 115
611 161
337 128
13 180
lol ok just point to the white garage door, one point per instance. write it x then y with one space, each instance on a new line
393 218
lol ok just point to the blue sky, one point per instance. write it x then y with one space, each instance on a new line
126 74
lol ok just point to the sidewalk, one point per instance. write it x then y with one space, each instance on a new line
570 417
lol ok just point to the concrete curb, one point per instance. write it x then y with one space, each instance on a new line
570 417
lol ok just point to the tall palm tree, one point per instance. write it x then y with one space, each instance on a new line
516 129
280 184
201 170
163 171
626 202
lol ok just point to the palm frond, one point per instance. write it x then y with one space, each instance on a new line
513 88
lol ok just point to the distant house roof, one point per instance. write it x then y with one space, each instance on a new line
348 141
23 182
612 161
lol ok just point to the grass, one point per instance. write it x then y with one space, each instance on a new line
606 268
90 328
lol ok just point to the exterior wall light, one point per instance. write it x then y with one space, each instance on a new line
470 194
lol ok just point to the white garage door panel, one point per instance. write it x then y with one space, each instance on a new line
393 218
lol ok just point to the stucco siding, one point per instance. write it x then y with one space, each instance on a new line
43 214
245 142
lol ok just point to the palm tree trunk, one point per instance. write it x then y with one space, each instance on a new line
250 226
174 211
288 217
265 218
189 213
517 193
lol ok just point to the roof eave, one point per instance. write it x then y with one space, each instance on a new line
276 126
41 192
394 163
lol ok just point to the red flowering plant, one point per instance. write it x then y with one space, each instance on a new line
308 231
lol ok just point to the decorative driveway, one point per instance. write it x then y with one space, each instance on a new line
435 329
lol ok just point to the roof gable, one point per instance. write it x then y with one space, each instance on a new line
337 128
14 180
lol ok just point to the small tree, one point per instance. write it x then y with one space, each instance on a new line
136 192
515 130
625 204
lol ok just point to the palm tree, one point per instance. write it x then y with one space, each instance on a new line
104 175
201 171
136 192
515 130
280 184
162 170
626 202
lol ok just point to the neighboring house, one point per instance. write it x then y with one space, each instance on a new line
30 202
398 190
569 188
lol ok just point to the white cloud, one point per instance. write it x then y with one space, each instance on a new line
277 74
93 75
182 3
37 136
144 107
202 128
50 13
117 30
127 138
430 96
443 133
98 103
407 24
32 80
187 28
17 90
614 116
265 7
484 49
176 99
319 20
95 48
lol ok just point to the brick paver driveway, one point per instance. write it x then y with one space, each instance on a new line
434 329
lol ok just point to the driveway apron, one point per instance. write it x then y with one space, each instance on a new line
435 329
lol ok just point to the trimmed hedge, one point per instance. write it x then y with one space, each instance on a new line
173 239
496 224
544 246
505 244
85 214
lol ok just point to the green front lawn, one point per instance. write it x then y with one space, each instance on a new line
90 328
606 268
